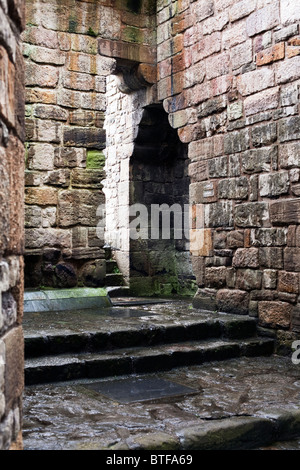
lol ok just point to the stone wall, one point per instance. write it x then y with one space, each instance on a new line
11 223
65 105
229 78
227 74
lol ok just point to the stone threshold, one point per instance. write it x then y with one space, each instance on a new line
234 433
65 299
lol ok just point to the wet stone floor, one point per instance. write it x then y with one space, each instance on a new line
81 416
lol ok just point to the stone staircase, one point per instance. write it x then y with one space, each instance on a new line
133 337
114 279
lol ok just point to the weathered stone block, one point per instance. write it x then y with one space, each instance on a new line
269 237
240 10
241 54
271 185
205 299
50 112
285 33
275 314
235 110
264 19
289 129
251 214
203 192
7 89
257 160
87 178
14 362
234 35
58 178
198 171
69 157
288 282
52 237
203 9
78 81
248 279
269 279
264 134
217 65
45 55
41 157
218 167
214 105
235 142
69 98
219 214
33 216
262 101
246 258
36 95
93 273
201 242
271 54
84 137
48 131
289 11
41 37
235 239
271 258
215 277
233 301
288 70
233 188
78 206
86 118
41 196
292 259
41 75
4 214
285 212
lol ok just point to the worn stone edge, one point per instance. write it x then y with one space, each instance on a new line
235 433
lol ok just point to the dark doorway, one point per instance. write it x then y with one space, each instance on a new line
159 254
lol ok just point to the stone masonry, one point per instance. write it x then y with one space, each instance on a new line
228 76
103 79
11 223
226 72
65 81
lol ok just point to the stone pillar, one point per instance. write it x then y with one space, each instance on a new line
11 223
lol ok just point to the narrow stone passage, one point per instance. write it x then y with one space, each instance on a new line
230 391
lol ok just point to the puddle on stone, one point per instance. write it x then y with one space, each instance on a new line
139 389
125 312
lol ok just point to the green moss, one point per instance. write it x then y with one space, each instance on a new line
95 159
133 34
72 25
91 32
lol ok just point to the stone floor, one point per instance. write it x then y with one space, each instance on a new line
69 416
243 403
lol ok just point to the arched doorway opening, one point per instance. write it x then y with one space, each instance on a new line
159 209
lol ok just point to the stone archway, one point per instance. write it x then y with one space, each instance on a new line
159 257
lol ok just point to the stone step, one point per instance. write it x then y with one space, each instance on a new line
118 328
118 291
127 361
114 279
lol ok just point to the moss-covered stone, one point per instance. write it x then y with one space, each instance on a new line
95 159
133 34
